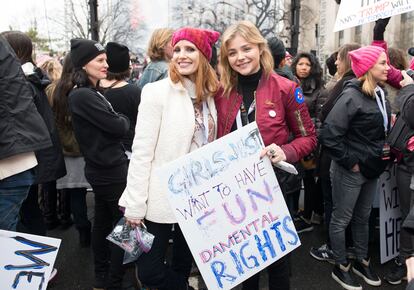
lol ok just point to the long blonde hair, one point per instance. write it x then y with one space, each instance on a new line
158 42
206 82
250 33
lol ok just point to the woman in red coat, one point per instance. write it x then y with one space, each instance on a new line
253 92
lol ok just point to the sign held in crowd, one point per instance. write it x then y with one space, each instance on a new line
354 13
230 208
26 261
390 215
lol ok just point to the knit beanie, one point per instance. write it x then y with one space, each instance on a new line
203 39
412 64
277 47
364 58
278 50
117 57
84 50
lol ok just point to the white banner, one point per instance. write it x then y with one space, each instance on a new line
390 215
230 208
26 261
357 12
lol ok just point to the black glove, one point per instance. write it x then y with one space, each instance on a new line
379 28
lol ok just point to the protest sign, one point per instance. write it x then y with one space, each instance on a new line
354 13
26 261
390 215
230 208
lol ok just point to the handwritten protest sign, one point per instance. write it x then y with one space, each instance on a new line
354 13
26 261
230 208
390 215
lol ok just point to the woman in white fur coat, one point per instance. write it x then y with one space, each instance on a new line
176 116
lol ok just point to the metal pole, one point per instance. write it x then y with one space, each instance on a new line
295 18
93 10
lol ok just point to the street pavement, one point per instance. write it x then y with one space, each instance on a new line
75 264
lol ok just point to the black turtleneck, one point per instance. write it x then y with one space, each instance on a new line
246 87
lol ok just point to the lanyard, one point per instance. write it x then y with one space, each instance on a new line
242 118
382 107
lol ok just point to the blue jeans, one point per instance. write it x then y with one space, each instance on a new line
352 197
13 191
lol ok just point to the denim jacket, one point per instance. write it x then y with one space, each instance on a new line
155 71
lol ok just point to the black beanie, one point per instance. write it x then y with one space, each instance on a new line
278 50
83 51
117 57
330 63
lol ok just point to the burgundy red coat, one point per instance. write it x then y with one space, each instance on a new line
280 113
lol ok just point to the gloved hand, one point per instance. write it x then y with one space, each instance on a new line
379 28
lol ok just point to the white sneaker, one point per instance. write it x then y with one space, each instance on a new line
52 274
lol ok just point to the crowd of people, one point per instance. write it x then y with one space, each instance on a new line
84 124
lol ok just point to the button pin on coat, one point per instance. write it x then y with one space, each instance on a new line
272 113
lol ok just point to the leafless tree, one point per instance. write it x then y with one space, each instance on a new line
114 22
217 15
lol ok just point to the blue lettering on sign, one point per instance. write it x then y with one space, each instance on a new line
31 255
264 248
299 97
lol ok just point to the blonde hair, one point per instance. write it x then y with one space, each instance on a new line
52 68
159 40
368 84
206 82
251 34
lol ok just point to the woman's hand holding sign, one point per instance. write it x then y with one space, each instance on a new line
274 152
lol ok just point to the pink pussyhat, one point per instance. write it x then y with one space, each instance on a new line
203 39
364 58
412 64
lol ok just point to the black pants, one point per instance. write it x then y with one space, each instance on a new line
278 273
108 258
152 270
78 207
31 217
313 199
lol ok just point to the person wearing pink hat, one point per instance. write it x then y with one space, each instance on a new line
176 116
354 134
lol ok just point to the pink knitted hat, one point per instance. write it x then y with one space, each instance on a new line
412 64
364 58
203 39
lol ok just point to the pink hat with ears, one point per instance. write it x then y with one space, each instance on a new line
203 39
364 58
412 64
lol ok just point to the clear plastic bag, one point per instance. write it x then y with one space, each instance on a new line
134 241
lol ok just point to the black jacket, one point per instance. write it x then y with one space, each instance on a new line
21 127
99 130
406 97
324 162
354 133
125 100
51 164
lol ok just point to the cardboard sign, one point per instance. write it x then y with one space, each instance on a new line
230 208
390 215
354 13
26 261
